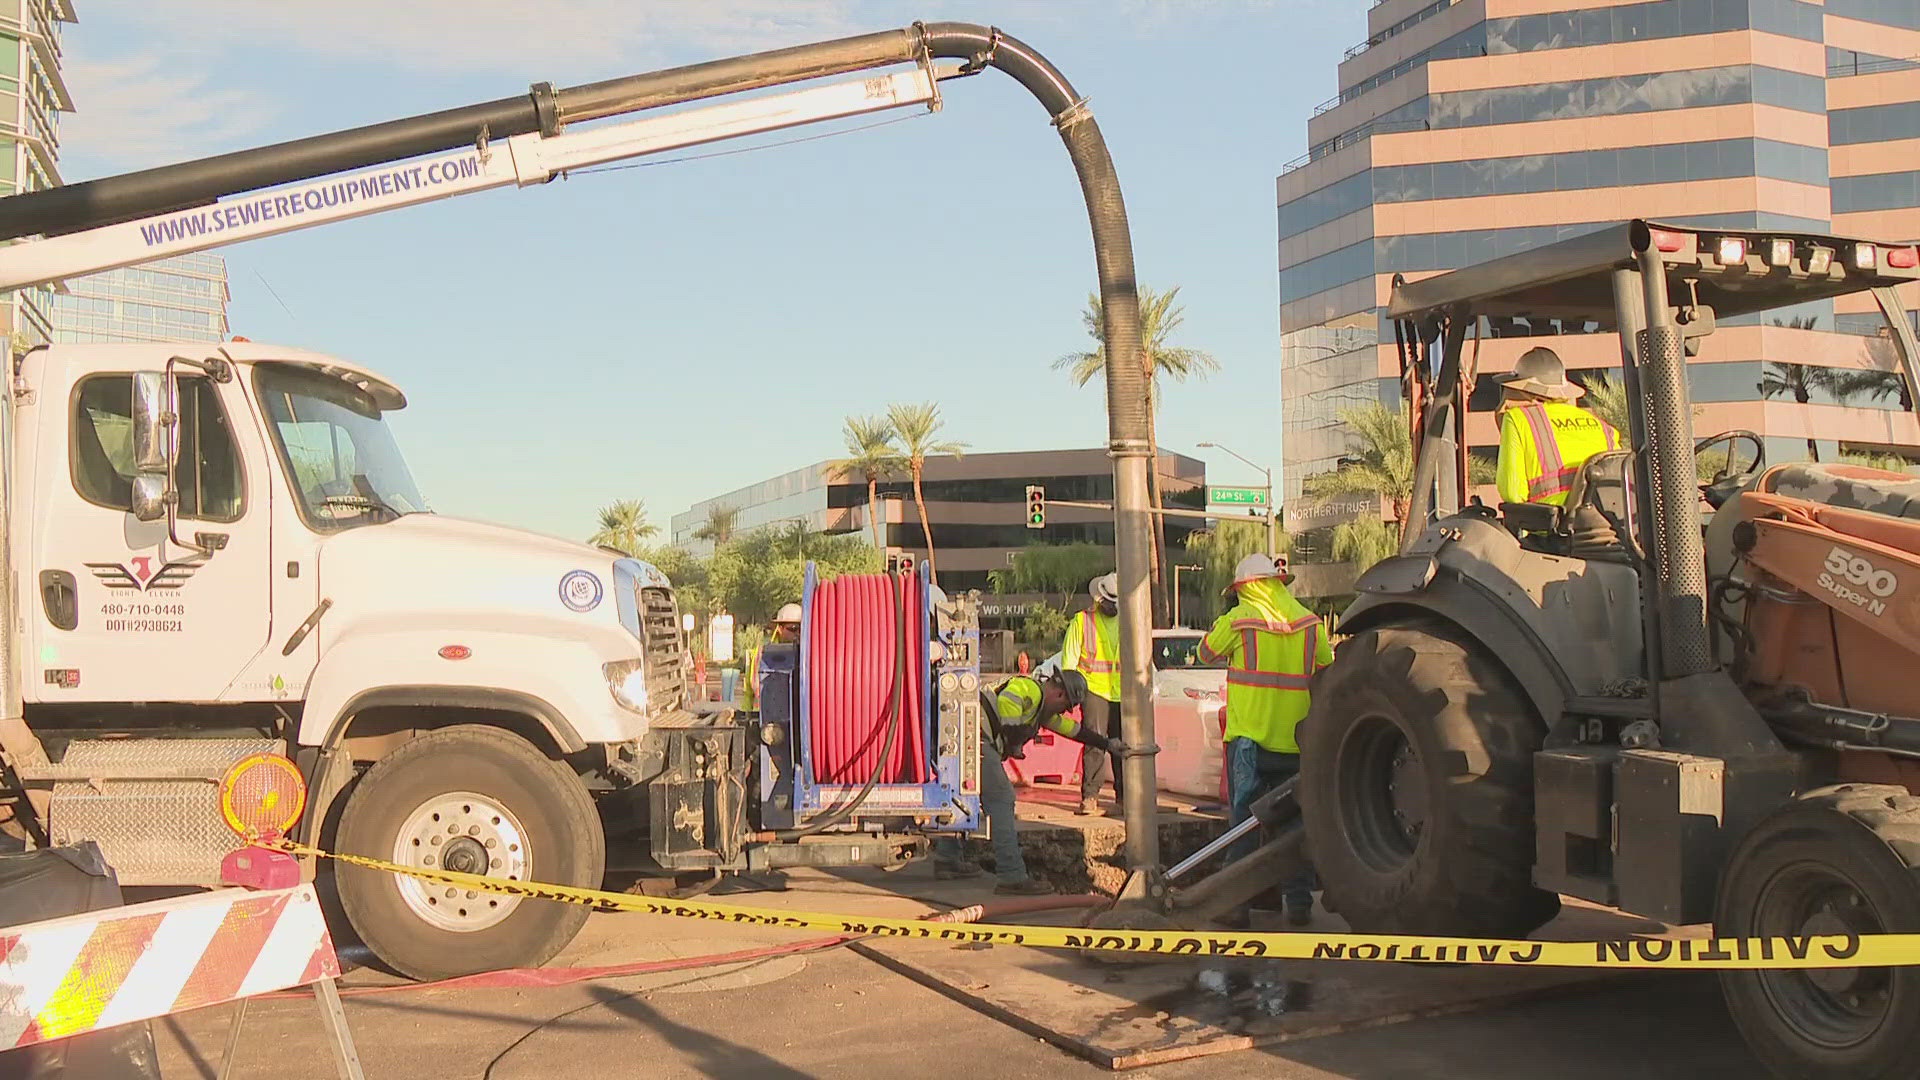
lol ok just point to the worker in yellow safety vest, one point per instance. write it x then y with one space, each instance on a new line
785 630
1544 437
1092 648
1271 645
1010 716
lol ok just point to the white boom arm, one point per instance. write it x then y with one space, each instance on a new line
521 160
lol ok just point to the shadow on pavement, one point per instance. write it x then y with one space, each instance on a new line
1667 1026
716 1057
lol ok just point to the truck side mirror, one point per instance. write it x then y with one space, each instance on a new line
151 421
149 497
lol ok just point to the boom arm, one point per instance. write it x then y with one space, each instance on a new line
533 158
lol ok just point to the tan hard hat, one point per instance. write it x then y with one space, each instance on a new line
788 613
1105 589
1540 372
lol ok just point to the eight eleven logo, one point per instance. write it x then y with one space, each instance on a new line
139 575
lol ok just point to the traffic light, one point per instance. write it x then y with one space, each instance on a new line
900 563
1036 506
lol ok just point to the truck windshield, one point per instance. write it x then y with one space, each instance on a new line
346 468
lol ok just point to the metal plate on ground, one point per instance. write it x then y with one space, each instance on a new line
1152 1013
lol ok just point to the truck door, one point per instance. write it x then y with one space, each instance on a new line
120 612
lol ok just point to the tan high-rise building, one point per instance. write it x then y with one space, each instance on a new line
1469 129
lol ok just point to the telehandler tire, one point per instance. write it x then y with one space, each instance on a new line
1417 789
1839 860
478 800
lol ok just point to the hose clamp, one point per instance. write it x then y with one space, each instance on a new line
546 109
984 59
1076 113
924 57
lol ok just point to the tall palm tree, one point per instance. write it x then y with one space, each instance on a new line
1159 318
917 426
722 521
1379 465
871 455
624 527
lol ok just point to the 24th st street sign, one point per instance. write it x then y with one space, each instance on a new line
1236 496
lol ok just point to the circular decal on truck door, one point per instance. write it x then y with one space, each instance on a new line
580 590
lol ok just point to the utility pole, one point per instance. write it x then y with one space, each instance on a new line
1273 527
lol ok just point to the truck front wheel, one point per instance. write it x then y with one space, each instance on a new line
474 800
1417 789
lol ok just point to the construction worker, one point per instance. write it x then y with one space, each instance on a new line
1544 436
1011 715
784 630
1271 646
1092 648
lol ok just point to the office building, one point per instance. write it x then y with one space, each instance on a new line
183 298
32 95
1469 129
976 508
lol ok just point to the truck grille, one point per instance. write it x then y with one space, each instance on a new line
664 649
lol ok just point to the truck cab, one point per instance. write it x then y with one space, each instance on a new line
223 554
289 557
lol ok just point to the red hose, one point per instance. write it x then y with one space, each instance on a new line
541 978
854 627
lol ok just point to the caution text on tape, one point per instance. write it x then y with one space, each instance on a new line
1814 951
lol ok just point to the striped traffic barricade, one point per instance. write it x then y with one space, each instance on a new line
81 973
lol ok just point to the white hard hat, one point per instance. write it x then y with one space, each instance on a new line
1258 567
788 613
1105 589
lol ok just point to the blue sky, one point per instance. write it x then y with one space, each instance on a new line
670 332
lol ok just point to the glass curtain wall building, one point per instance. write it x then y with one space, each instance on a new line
1470 129
183 298
32 95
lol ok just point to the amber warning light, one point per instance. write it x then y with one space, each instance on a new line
261 796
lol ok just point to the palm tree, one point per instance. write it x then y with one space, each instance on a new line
1159 318
1875 385
623 527
917 426
1379 464
871 455
1799 381
720 525
1607 398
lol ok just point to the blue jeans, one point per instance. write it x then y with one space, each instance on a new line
996 800
1252 771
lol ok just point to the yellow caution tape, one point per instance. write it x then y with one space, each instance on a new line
1817 951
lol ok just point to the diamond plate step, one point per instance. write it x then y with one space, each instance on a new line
147 759
152 832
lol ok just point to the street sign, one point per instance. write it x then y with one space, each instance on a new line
1236 496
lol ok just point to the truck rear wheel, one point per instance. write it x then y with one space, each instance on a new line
1417 789
476 800
1845 860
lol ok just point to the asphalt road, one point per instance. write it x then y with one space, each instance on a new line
837 1014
